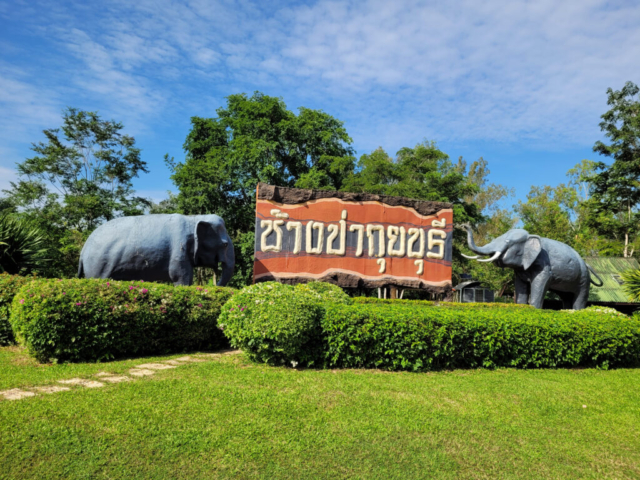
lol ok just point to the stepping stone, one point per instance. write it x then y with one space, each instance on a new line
16 394
103 374
140 372
190 359
117 379
173 362
155 366
83 382
51 389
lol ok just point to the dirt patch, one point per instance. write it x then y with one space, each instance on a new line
117 379
190 359
51 389
140 372
83 382
155 366
16 394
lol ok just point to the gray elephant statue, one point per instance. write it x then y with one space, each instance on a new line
158 248
540 265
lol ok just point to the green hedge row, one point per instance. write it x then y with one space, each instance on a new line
9 286
430 303
92 319
409 338
278 324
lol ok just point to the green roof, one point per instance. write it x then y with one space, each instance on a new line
609 270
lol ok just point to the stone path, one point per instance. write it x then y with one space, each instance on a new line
142 370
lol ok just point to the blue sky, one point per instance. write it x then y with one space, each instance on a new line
521 83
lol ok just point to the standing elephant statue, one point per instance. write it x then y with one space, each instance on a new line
540 265
158 248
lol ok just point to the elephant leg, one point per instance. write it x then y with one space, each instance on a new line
181 273
539 287
580 300
522 291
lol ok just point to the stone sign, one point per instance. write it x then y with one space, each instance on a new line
352 239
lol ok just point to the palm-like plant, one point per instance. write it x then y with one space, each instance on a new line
631 285
23 246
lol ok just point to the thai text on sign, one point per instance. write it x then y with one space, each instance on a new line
352 239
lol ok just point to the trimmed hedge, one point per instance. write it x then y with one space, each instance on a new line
94 319
9 286
280 324
430 303
397 337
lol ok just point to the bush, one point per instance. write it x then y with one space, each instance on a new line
399 337
93 319
430 303
326 292
9 286
277 324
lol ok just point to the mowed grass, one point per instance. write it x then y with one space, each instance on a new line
229 418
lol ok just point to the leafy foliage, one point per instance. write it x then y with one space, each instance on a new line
23 246
395 337
631 285
80 177
325 292
275 323
9 286
257 139
616 196
92 320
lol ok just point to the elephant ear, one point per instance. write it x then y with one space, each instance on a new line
532 248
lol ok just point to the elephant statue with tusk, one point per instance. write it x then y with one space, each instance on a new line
540 265
158 248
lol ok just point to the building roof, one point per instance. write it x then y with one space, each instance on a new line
609 270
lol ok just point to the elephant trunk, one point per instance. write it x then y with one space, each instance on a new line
227 263
486 250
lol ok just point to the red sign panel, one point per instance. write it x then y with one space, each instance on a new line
352 239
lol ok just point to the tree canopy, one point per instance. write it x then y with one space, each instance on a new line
80 177
251 140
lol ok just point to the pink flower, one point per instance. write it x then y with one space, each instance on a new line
21 301
144 290
108 284
78 304
131 287
64 293
200 305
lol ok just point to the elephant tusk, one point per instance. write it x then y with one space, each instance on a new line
469 256
493 258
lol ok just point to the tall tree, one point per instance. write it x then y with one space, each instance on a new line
80 177
489 198
616 196
423 172
257 139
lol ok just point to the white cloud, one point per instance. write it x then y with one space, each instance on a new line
499 71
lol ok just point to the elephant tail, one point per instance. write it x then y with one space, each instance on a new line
596 275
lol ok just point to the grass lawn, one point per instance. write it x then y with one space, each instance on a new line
228 418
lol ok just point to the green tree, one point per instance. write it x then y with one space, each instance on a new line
80 177
616 196
423 172
257 139
489 198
